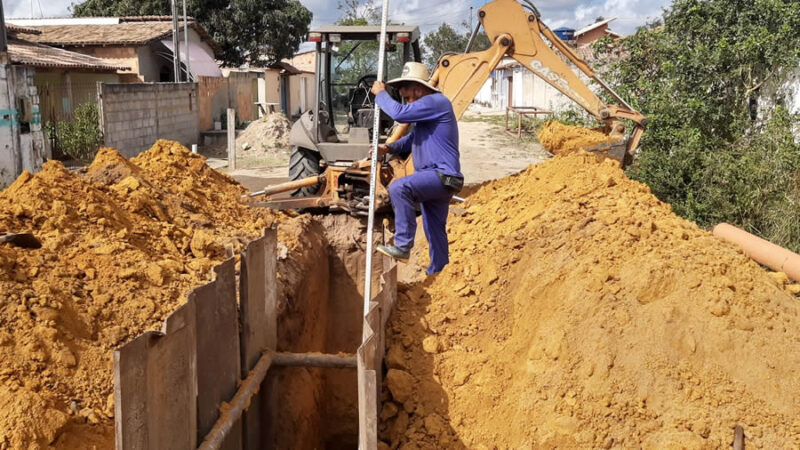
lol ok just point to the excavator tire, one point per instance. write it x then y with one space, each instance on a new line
304 163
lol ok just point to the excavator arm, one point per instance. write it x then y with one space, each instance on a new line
520 34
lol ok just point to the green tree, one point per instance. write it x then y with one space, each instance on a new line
362 56
447 39
699 74
247 31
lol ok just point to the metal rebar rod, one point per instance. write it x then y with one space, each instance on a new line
186 41
314 360
176 51
240 402
472 37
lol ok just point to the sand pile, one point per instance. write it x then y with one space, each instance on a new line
560 139
579 312
122 245
269 134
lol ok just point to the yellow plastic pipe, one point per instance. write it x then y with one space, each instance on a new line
763 252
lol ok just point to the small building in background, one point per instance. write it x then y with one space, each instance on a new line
64 80
142 44
22 143
26 105
304 60
594 32
511 84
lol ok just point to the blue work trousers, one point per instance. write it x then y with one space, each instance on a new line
426 189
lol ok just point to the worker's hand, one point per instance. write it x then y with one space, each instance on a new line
383 149
377 87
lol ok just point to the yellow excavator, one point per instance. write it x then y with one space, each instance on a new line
515 30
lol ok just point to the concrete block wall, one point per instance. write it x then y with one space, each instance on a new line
134 116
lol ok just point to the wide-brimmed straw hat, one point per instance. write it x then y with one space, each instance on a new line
416 72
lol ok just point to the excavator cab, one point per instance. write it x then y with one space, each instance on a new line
338 130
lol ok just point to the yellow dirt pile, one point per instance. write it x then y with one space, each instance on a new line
122 245
560 139
579 312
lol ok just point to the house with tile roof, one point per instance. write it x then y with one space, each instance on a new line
143 44
64 79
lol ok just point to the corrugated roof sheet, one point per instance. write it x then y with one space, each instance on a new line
594 25
38 55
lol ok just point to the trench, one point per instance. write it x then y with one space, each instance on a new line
322 283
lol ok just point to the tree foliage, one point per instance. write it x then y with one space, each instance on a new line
719 145
447 39
247 31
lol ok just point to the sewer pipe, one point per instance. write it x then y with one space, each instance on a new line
763 252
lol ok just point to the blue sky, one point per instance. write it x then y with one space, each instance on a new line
428 14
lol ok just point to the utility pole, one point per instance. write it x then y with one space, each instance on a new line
3 36
186 40
470 18
176 51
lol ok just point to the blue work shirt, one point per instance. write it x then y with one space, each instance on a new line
434 140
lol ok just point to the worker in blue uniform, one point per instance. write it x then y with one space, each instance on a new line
433 143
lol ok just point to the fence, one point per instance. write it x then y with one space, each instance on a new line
134 115
169 386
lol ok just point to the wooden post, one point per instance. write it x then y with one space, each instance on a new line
231 139
738 438
155 387
258 313
217 340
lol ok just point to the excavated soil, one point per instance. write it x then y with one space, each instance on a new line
579 311
122 245
269 134
560 139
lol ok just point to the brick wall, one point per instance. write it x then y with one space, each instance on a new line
237 90
134 115
212 99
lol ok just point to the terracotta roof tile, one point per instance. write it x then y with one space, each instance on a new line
130 31
38 55
16 29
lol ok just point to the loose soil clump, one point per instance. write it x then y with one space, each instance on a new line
122 245
578 311
560 139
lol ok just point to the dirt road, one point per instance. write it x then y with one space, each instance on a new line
487 153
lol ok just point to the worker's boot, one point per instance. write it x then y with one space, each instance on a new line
394 252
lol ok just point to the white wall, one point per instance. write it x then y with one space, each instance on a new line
19 149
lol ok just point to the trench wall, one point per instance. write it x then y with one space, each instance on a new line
133 116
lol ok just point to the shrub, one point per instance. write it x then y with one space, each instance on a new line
81 138
698 74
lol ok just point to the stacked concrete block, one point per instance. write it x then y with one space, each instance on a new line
135 115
